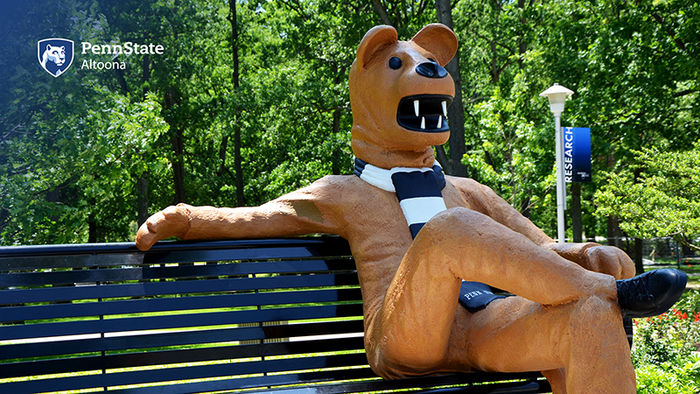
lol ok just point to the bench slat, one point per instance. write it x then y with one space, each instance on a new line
177 321
106 308
525 382
364 373
190 256
88 345
185 373
174 287
124 273
163 357
15 258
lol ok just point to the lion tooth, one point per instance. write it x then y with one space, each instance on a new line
439 126
416 106
444 108
422 122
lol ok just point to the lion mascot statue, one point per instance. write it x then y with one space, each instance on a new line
429 247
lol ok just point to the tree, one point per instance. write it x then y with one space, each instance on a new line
453 165
632 68
80 150
72 149
507 126
657 195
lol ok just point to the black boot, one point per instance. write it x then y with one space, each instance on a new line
651 293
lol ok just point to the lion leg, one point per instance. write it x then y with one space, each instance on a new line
411 332
581 346
556 379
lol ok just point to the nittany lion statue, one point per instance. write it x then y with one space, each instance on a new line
428 246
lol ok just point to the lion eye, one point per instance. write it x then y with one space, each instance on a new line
395 63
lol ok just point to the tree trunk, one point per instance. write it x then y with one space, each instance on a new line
576 225
177 142
237 160
525 207
121 80
443 160
145 73
222 155
335 165
614 232
142 198
92 229
238 166
142 183
638 255
381 12
455 112
95 230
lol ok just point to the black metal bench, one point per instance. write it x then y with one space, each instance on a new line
259 315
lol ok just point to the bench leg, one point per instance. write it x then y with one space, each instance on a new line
417 328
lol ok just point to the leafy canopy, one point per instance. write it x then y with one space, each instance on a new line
657 195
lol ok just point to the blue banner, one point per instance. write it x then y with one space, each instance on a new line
577 154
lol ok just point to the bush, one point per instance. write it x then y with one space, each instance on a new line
669 378
665 351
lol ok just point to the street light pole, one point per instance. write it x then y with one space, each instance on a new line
557 96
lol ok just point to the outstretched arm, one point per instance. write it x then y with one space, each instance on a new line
589 255
305 211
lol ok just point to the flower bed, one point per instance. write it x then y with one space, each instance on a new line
666 351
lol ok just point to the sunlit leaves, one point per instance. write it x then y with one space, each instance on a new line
657 196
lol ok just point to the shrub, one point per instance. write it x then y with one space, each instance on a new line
669 378
665 351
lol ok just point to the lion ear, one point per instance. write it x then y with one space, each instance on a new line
439 40
374 40
48 46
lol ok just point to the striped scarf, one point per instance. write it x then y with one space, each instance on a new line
419 191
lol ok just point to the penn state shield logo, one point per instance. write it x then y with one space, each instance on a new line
55 55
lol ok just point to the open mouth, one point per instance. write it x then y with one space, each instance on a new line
426 113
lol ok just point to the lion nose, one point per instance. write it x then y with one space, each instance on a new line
431 70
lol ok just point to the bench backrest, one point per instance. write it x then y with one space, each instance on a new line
192 317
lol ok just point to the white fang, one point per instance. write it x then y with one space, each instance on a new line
416 106
422 122
444 108
439 126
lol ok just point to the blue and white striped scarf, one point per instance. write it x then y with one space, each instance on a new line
419 191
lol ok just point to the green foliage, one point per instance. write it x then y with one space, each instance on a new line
74 149
632 66
508 132
669 378
656 195
665 348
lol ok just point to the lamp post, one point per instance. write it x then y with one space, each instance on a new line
557 95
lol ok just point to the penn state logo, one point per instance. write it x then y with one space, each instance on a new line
55 55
